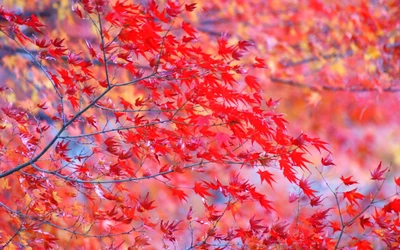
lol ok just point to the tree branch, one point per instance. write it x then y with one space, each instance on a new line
331 88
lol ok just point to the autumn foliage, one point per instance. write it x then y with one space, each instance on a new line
129 125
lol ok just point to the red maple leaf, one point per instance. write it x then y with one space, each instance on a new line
74 101
168 228
201 190
145 204
393 206
260 63
377 173
252 82
92 121
179 193
42 106
266 176
305 186
222 139
255 224
364 221
363 245
188 29
347 181
190 7
335 226
327 161
125 103
397 181
352 196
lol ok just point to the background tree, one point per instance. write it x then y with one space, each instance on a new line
124 126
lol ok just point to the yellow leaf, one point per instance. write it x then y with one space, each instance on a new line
59 183
40 209
10 247
76 209
313 99
9 62
372 53
56 197
396 154
86 228
338 68
27 199
4 184
234 208
354 48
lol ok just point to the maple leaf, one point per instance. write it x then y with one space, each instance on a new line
62 148
377 173
77 11
397 181
255 224
42 106
222 139
252 82
112 146
34 23
352 196
288 170
202 120
125 155
327 161
237 54
266 176
318 217
265 203
364 221
298 159
168 228
316 142
126 104
271 103
201 190
173 9
141 241
260 63
350 210
305 186
234 208
190 7
293 197
223 48
43 43
335 226
188 29
56 198
57 42
277 230
145 204
118 115
211 212
4 185
393 206
92 121
316 201
363 245
244 44
179 193
74 101
347 181
381 219
189 214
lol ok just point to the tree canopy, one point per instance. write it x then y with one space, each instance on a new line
198 125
